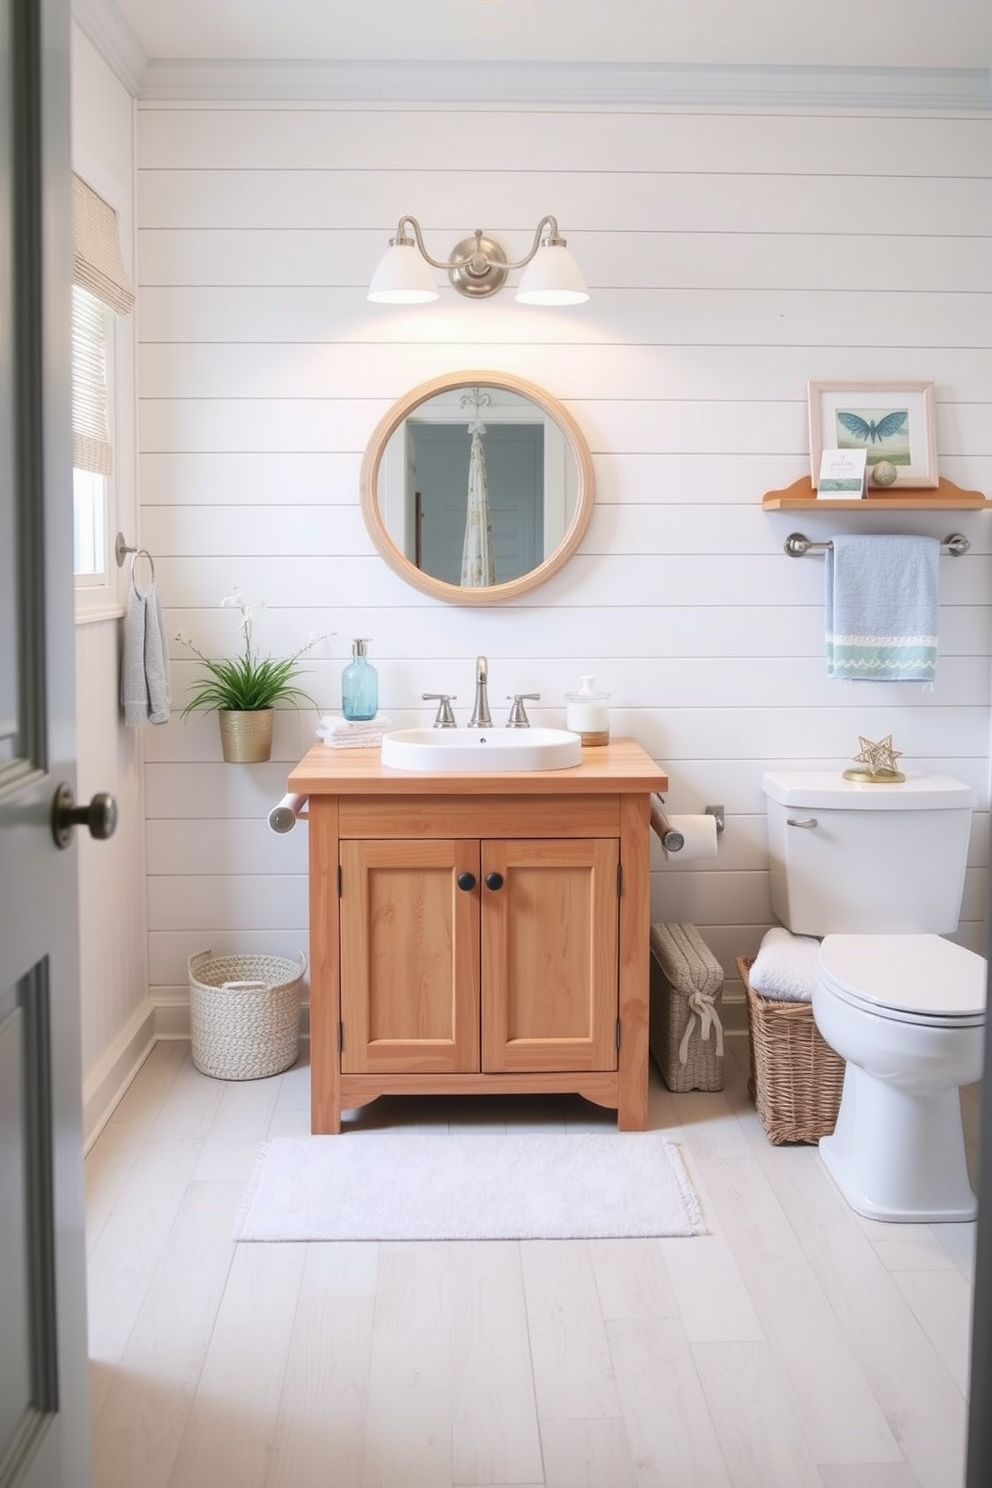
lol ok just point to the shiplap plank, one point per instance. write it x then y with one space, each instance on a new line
720 426
198 902
204 369
625 316
236 478
182 845
601 579
169 950
481 139
639 631
857 258
510 203
684 683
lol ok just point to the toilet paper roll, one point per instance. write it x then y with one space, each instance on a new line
699 837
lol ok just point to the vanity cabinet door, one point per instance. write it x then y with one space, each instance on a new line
550 914
409 957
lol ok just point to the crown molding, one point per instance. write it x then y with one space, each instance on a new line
571 83
559 84
102 24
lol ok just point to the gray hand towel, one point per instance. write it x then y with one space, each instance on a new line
145 695
156 660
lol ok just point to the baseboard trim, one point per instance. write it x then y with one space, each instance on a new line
167 1017
104 1086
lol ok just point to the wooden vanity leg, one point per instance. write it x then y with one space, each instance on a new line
325 988
635 928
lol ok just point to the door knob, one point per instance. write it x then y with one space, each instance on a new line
100 816
494 880
465 881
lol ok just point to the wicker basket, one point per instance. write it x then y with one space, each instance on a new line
796 1078
685 1031
244 1014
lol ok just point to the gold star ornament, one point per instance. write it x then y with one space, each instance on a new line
878 762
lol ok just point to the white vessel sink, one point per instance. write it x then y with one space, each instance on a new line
437 750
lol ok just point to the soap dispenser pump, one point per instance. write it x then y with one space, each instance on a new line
359 684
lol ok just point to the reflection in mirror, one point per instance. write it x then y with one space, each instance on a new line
477 487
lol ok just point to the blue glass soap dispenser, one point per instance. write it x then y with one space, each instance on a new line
359 684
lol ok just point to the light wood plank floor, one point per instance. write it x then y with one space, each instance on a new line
794 1345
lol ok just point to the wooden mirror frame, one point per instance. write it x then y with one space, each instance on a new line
492 593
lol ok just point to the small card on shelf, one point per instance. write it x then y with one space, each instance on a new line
842 474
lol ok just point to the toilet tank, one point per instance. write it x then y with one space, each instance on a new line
850 857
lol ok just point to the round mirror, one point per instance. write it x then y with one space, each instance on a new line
477 486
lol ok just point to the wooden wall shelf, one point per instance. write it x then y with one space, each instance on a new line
801 496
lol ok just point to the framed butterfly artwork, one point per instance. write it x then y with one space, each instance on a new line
893 422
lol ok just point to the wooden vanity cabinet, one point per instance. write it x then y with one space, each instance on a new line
491 935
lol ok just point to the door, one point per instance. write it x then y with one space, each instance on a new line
44 1431
514 456
409 957
550 916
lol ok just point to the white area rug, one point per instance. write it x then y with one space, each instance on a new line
482 1186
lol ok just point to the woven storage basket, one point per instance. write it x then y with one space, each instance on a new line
796 1078
244 1014
686 992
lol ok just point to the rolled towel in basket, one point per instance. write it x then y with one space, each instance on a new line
785 966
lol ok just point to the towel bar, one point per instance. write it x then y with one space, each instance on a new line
796 544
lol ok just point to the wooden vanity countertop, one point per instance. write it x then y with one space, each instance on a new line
621 766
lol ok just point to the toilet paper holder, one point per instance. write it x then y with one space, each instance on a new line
671 839
284 816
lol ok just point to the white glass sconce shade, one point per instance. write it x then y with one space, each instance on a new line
402 278
552 278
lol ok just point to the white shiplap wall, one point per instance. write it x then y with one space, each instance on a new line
731 257
118 1017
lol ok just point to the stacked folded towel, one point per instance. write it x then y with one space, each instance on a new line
339 732
785 966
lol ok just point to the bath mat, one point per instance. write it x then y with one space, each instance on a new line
469 1186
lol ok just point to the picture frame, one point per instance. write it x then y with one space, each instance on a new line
890 421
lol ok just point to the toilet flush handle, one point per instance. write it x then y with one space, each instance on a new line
810 821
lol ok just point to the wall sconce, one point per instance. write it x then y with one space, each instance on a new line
478 268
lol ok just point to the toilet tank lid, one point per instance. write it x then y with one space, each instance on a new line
828 788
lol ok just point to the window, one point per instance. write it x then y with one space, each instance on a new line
100 292
92 442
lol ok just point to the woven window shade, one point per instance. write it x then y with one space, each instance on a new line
91 447
97 264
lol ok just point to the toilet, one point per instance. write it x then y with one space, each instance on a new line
876 871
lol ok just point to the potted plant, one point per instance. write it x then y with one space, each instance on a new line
243 690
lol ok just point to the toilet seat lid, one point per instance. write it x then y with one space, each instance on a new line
919 975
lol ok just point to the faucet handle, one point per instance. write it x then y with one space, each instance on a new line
445 716
518 713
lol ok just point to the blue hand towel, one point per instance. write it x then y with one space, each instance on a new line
881 608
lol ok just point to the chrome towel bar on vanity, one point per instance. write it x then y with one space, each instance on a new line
796 544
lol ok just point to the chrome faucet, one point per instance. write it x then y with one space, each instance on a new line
481 717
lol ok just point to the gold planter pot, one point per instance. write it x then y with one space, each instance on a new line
245 738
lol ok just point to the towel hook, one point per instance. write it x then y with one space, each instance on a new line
137 553
797 544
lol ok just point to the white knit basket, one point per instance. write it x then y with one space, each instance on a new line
244 1014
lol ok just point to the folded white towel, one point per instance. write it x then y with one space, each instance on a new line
785 966
352 733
